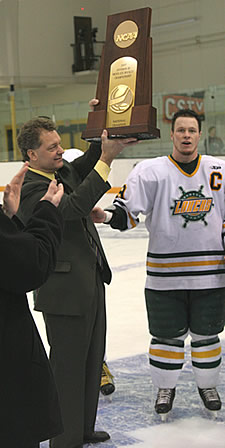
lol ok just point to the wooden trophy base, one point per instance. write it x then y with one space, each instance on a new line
142 126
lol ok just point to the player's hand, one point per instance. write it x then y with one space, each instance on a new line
98 215
11 198
54 193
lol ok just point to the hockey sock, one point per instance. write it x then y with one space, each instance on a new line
166 358
206 360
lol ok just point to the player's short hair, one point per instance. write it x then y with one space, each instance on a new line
186 113
29 134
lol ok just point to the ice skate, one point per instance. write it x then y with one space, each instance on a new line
211 400
107 385
164 402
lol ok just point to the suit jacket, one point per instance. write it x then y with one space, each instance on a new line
70 289
29 410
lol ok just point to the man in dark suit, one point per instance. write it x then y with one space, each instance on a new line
29 408
73 299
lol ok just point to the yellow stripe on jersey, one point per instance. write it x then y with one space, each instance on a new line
185 264
166 354
206 354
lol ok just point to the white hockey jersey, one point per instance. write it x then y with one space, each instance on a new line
184 217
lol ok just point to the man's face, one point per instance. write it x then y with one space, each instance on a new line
212 133
185 138
48 157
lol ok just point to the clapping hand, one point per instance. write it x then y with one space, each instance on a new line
11 198
54 193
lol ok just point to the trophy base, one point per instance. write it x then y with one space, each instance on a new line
125 132
141 127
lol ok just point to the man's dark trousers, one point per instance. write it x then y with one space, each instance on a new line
78 395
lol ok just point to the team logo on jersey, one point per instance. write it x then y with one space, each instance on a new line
192 205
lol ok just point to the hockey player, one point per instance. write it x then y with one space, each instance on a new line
182 197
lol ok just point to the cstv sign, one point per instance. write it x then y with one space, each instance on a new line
173 103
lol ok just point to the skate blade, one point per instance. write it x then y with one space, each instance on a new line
212 414
164 417
107 398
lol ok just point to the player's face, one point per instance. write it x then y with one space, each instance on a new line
185 138
48 157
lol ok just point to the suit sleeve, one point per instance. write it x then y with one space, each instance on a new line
74 205
85 163
80 202
30 255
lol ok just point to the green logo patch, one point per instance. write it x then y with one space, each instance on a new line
192 205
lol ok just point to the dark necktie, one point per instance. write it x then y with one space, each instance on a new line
94 246
57 178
